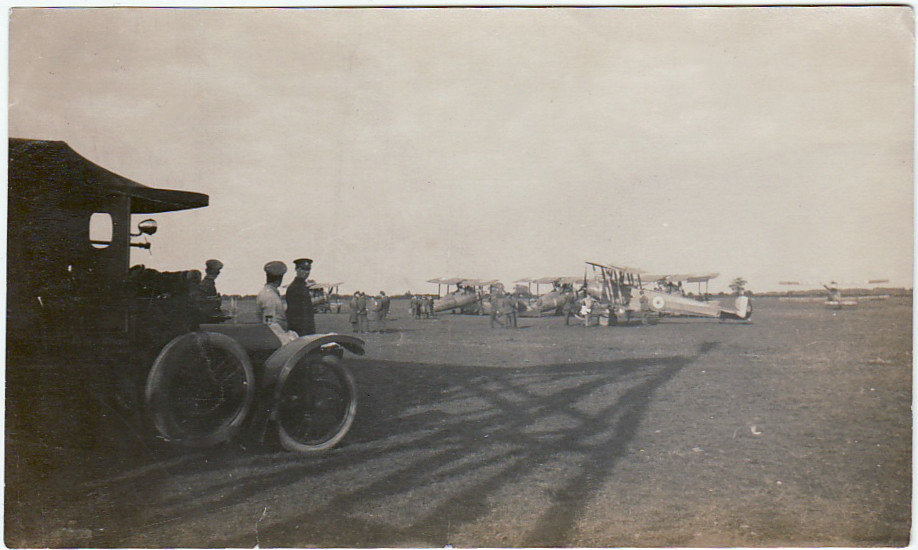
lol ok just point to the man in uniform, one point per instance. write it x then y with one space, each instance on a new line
645 307
586 309
363 320
626 294
382 311
208 298
413 306
494 300
568 308
270 305
512 313
301 317
352 306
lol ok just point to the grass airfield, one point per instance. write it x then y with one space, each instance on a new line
791 430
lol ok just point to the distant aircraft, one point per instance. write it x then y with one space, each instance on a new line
622 288
834 298
324 296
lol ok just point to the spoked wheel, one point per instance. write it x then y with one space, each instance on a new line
317 403
200 389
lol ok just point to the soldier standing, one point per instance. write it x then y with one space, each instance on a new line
382 311
363 319
352 311
271 308
301 316
626 294
494 300
208 298
568 308
586 309
413 307
429 310
506 309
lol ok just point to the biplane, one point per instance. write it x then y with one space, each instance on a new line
553 301
625 295
834 298
325 296
466 298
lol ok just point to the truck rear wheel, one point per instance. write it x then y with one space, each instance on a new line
200 389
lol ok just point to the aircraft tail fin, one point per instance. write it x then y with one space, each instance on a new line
742 309
742 306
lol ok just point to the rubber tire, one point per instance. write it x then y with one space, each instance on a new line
156 394
290 442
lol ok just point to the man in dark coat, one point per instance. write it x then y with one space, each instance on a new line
382 311
301 317
352 305
208 298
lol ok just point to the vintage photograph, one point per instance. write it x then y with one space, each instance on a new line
460 277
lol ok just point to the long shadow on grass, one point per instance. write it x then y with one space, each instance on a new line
458 439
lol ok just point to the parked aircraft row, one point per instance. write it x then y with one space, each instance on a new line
617 293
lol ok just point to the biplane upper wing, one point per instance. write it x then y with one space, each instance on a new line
630 270
326 286
690 277
622 268
677 277
702 278
447 281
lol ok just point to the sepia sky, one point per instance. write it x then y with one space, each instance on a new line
397 145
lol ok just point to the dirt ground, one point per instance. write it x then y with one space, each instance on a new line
792 430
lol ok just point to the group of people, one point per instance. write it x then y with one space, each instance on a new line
590 310
422 305
292 312
360 307
584 306
504 309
